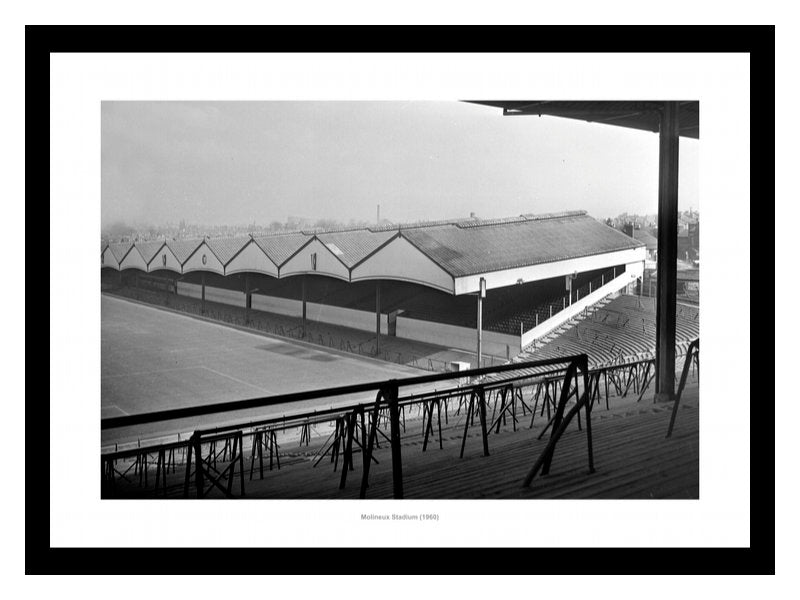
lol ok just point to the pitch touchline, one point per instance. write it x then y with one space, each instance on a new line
196 318
236 379
152 372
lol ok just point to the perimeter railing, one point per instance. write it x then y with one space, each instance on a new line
691 361
211 458
214 456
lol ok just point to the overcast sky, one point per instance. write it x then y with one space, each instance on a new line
231 163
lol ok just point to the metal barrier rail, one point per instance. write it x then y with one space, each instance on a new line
560 422
546 384
692 359
261 402
387 398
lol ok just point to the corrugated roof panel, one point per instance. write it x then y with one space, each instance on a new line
226 248
467 251
120 250
182 249
148 249
636 114
353 246
280 247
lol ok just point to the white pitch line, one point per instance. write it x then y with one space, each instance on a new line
259 388
152 372
222 326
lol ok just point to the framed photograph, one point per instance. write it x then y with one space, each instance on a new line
419 289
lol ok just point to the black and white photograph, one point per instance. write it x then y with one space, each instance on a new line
399 300
466 299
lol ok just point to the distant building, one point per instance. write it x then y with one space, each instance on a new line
644 236
689 243
694 236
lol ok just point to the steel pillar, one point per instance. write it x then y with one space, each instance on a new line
248 299
202 293
377 317
394 427
481 293
569 288
304 304
667 252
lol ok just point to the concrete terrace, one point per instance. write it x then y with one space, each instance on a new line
632 458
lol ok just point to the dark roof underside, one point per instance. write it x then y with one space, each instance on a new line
635 114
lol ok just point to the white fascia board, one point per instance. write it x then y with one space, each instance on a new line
251 258
203 259
133 260
165 260
324 263
400 260
497 279
107 259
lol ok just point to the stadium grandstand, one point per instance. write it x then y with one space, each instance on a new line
512 279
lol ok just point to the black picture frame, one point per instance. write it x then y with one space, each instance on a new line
757 41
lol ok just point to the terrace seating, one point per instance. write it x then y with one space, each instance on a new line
533 310
528 317
461 315
622 329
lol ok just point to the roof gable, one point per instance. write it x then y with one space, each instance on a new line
165 259
400 260
203 259
133 260
107 259
315 257
251 258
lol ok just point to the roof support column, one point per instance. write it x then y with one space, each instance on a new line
481 295
666 281
303 297
569 288
202 292
377 318
248 298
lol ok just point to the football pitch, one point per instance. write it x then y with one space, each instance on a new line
154 359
